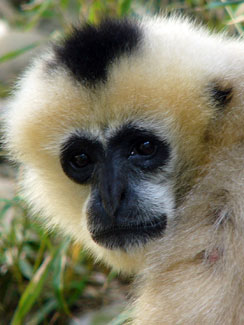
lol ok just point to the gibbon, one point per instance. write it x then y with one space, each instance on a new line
125 133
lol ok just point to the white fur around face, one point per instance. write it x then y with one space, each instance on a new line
162 87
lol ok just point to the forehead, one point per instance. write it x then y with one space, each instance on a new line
162 85
136 89
132 92
173 107
126 69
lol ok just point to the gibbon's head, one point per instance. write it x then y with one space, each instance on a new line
112 125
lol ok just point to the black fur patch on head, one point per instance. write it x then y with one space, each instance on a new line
89 50
221 95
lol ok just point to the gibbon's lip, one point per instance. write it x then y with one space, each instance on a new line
119 236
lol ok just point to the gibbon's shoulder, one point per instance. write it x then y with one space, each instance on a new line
194 273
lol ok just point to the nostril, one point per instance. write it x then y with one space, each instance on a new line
112 201
113 189
122 196
118 201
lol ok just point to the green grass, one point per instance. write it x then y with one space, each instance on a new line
42 278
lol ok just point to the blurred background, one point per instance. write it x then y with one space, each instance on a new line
45 279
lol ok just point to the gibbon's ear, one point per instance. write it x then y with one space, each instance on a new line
221 93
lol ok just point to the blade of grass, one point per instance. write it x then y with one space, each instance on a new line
236 20
13 201
32 292
4 210
229 10
123 318
38 13
124 7
42 313
79 286
13 54
64 4
58 278
218 4
34 288
40 252
26 268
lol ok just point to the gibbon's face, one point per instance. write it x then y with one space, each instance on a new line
110 126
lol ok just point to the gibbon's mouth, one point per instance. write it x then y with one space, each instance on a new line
121 237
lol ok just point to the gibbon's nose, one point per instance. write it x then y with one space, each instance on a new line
112 188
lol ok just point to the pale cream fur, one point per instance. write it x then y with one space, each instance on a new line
195 273
165 86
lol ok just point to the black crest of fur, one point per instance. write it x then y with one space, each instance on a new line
221 94
89 50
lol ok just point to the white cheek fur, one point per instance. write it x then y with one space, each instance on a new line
156 199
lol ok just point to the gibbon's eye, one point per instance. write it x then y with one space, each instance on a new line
141 147
80 161
79 156
145 148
